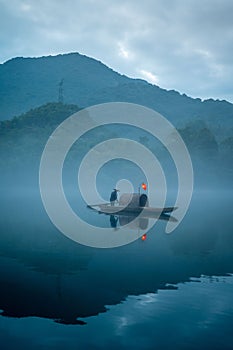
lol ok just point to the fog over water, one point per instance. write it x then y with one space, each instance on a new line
150 285
57 293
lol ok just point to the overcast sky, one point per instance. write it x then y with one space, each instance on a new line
186 45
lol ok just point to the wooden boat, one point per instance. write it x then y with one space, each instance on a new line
132 204
147 211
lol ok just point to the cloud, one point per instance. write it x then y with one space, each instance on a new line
186 46
152 78
123 52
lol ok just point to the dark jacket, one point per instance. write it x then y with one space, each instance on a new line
113 196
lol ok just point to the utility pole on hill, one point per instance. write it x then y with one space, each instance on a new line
60 91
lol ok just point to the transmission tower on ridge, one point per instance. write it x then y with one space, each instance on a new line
60 91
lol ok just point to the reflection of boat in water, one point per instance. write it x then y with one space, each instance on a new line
133 210
133 221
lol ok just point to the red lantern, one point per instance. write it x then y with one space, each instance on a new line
144 187
143 237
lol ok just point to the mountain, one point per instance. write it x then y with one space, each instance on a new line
27 83
35 85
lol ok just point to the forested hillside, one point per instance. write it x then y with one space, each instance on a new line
27 83
23 138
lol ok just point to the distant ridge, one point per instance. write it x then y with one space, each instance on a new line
27 83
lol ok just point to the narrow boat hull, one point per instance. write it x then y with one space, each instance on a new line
146 211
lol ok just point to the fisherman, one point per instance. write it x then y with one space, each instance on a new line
113 197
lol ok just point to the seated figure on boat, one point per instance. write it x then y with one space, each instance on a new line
113 197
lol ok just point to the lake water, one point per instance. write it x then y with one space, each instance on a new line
167 291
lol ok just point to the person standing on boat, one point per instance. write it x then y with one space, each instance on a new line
113 197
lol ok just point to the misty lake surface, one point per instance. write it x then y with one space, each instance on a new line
166 291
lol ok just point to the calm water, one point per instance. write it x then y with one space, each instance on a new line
168 291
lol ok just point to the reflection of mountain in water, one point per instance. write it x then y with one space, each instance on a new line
45 274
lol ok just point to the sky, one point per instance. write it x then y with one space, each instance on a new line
176 44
